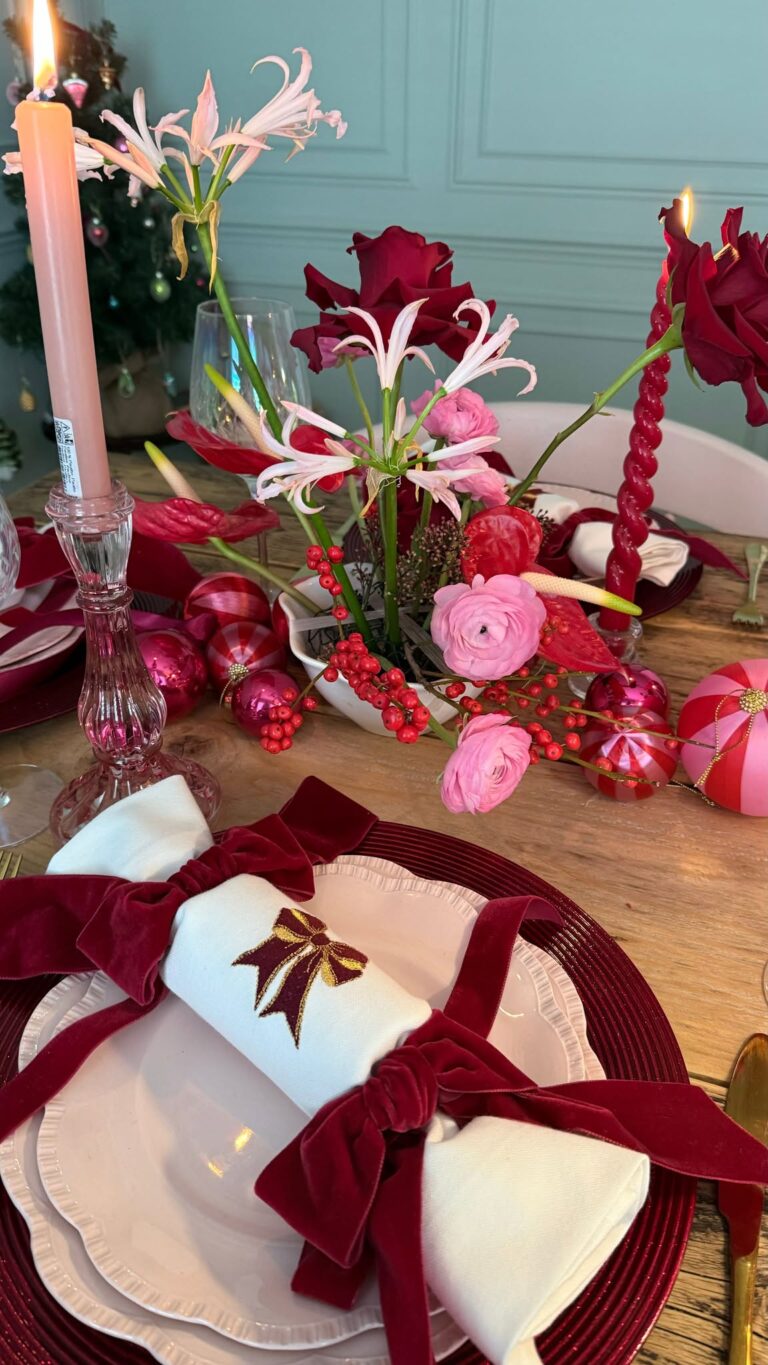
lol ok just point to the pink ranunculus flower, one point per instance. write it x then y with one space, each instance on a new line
489 629
491 758
484 484
457 417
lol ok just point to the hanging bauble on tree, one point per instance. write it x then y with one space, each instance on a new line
126 385
27 400
113 301
96 231
148 222
13 92
107 74
76 88
177 666
240 648
10 452
159 287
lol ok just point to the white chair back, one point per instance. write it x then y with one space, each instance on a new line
700 477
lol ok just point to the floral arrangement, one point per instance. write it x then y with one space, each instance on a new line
446 599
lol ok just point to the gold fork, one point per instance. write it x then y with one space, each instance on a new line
749 614
10 864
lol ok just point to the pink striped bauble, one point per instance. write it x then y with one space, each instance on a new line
240 648
634 753
728 712
231 597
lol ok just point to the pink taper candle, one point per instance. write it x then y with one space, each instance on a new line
635 497
47 151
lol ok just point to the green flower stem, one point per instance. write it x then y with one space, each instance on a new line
263 572
670 341
236 332
426 512
351 601
213 188
197 189
178 187
388 517
448 736
361 403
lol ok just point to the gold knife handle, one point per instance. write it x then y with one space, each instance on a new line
744 1274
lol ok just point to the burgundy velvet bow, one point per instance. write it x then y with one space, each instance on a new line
81 923
350 1182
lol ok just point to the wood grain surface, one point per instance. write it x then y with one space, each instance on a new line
680 885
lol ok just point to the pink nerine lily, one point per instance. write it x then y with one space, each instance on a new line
297 470
388 356
88 162
485 354
146 155
293 112
203 141
438 483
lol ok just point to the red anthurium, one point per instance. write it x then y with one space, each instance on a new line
182 521
507 540
227 455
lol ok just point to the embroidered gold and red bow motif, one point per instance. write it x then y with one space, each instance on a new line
299 942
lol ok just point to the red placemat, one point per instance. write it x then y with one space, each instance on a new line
632 1037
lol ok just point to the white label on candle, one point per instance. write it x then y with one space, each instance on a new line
65 441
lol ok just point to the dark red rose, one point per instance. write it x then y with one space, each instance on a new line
395 268
725 324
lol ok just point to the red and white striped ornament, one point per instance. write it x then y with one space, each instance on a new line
231 597
727 712
239 649
640 746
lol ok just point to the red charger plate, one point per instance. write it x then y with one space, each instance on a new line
628 1029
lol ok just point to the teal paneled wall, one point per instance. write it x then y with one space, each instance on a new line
538 139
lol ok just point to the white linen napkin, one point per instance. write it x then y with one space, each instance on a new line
516 1218
662 557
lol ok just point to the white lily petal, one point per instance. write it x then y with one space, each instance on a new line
472 446
315 419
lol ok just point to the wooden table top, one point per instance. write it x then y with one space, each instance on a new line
680 885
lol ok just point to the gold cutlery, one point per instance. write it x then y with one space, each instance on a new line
749 614
10 864
742 1205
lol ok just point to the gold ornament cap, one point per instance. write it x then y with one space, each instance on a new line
753 700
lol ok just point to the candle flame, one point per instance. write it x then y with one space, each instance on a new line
686 200
43 48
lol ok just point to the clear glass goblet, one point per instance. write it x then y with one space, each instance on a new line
26 791
267 325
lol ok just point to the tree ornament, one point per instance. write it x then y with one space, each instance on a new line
201 282
96 231
253 698
27 400
240 648
108 75
177 666
159 287
170 383
728 713
126 385
230 597
10 452
148 222
640 749
121 144
76 88
113 301
625 693
13 92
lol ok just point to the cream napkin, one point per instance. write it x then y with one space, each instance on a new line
662 557
516 1218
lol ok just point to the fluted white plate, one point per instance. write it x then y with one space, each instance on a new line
75 1283
152 1150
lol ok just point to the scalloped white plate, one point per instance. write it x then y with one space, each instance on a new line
154 1159
75 1283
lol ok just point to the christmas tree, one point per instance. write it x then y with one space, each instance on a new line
137 303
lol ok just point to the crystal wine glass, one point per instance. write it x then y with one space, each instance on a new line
26 791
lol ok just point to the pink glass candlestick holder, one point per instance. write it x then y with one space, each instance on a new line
121 711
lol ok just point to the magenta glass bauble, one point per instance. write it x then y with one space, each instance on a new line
242 647
641 747
176 665
230 597
253 697
639 689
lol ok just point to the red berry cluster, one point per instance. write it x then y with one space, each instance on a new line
401 710
321 562
284 720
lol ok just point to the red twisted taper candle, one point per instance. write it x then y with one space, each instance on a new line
635 496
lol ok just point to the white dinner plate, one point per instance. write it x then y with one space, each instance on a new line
72 1279
152 1150
51 639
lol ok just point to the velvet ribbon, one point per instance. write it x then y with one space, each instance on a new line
350 1182
64 924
